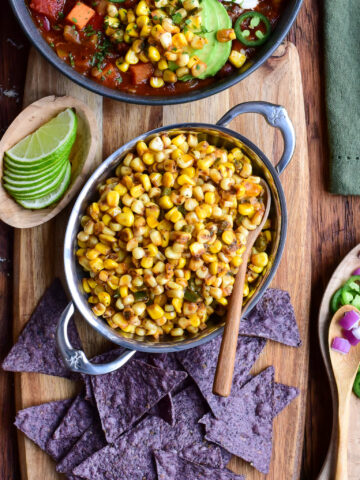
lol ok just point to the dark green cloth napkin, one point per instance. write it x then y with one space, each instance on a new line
342 79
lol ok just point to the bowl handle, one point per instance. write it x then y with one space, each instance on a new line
76 360
276 116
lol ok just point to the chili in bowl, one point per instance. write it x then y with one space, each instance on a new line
156 51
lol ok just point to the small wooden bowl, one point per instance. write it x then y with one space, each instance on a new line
81 157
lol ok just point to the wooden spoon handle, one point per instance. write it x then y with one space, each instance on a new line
341 472
226 361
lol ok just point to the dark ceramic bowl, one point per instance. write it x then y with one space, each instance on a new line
286 20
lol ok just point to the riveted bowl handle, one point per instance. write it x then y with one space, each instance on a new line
76 360
276 116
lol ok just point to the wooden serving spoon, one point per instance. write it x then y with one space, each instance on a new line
81 157
345 368
226 361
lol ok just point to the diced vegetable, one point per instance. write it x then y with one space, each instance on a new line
356 332
80 15
349 335
356 272
190 296
341 345
50 8
141 72
356 387
349 320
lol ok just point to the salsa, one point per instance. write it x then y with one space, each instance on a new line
155 47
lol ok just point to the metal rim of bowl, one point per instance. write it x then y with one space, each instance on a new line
71 267
24 18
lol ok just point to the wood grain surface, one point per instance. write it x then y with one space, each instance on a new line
279 81
334 231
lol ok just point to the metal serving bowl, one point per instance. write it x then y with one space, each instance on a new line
216 134
263 53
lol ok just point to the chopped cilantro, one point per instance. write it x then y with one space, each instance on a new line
89 30
119 79
101 53
74 20
52 44
177 18
61 15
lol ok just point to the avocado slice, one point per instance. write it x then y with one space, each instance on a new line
214 17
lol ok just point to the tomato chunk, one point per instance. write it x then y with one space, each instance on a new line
80 15
49 8
141 72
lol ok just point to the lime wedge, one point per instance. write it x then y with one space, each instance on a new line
48 143
36 191
50 198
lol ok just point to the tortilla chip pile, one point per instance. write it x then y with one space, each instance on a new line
156 417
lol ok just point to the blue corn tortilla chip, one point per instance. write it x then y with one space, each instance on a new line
187 435
201 362
273 317
90 442
35 350
283 396
131 458
76 421
247 431
39 423
105 358
170 466
170 361
124 396
164 409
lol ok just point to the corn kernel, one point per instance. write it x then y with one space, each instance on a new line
156 82
237 58
110 264
152 221
126 219
155 311
216 246
145 180
131 57
147 262
162 65
177 304
246 209
98 309
228 237
104 298
260 259
86 286
142 8
165 202
96 265
222 301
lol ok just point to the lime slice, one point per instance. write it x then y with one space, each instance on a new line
36 191
29 179
48 143
29 168
50 198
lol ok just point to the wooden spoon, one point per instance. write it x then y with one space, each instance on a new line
345 368
81 157
225 366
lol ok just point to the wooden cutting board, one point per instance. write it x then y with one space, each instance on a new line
38 252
